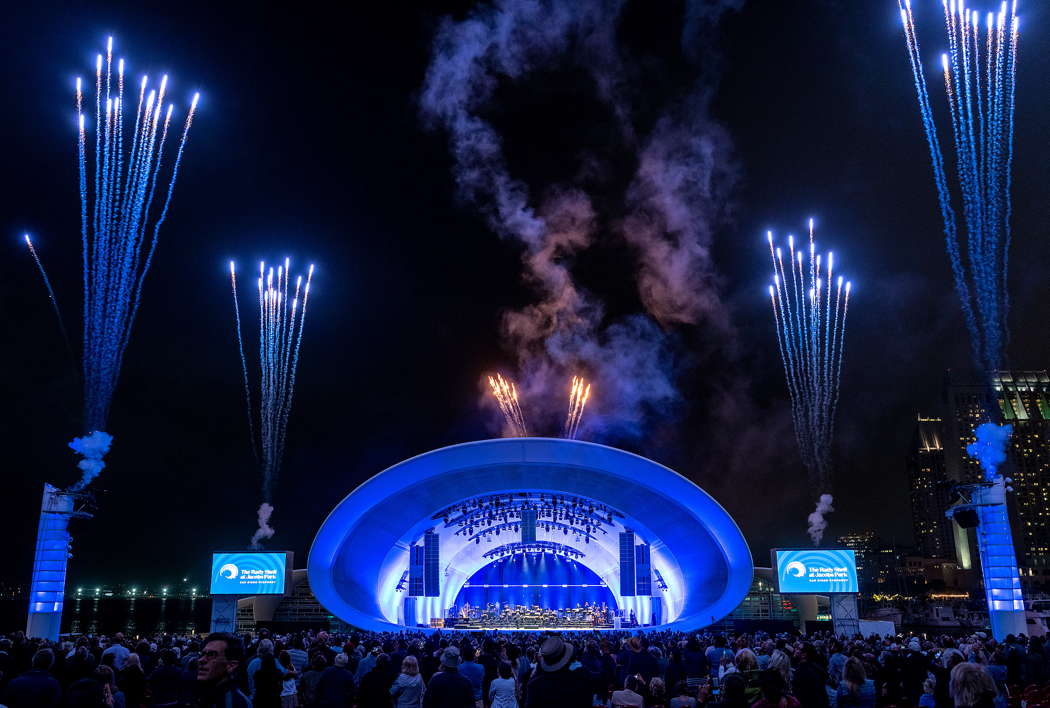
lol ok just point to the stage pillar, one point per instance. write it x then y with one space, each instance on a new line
844 615
224 613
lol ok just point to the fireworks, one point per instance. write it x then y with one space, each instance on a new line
979 81
809 311
578 395
506 395
281 321
118 216
50 294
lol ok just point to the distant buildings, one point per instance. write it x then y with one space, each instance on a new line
929 490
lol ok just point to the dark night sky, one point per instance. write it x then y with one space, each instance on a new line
309 144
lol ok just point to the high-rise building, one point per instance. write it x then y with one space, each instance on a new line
1023 399
865 546
929 490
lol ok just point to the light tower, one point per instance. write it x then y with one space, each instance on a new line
48 588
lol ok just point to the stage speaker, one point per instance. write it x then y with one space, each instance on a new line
966 518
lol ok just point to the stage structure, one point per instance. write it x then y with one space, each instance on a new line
529 533
48 588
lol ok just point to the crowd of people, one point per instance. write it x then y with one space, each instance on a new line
524 670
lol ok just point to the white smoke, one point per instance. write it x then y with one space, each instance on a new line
92 448
265 530
817 523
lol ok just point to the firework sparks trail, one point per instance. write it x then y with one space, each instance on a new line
980 86
281 323
116 213
809 316
579 393
50 295
506 394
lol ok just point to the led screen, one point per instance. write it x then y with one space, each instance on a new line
248 573
816 570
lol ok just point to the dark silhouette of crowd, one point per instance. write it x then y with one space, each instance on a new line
524 670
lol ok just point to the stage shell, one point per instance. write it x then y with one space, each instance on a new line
361 551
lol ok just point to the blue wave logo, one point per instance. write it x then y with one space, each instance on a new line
248 573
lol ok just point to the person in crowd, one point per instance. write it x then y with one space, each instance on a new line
773 691
503 690
104 675
336 687
36 688
132 682
657 693
118 651
732 693
682 697
374 689
927 700
855 690
630 696
555 684
268 681
310 678
472 671
640 661
971 686
810 681
448 688
289 680
408 687
165 683
218 673
263 649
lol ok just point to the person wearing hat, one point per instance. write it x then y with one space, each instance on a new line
448 688
555 684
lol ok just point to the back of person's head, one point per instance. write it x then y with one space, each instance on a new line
513 652
85 693
410 665
383 663
43 660
772 685
969 683
341 660
466 650
631 683
657 687
318 661
720 641
169 657
265 647
853 674
104 674
746 660
809 652
505 670
734 690
285 658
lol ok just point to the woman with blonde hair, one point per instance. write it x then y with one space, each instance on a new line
779 662
408 686
971 686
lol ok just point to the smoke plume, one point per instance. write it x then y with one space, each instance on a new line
665 210
93 449
265 530
990 447
817 523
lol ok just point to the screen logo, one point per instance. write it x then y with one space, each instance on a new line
248 573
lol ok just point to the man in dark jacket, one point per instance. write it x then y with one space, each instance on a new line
448 688
35 688
556 684
810 679
336 687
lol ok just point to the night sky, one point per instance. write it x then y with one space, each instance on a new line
309 143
